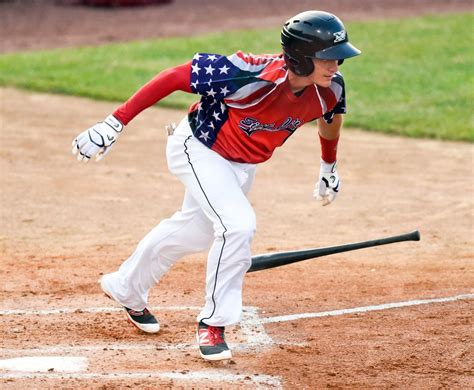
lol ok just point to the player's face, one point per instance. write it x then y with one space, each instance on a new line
323 72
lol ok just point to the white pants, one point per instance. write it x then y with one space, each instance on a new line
215 213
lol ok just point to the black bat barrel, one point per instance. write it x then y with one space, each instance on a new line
272 260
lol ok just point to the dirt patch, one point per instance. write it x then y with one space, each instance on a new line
41 24
65 223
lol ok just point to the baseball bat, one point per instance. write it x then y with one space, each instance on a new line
277 259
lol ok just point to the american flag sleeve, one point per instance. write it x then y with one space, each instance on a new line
218 77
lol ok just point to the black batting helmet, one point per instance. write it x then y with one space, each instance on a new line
314 34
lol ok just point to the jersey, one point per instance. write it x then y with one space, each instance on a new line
247 108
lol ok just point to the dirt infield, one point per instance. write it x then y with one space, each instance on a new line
395 316
65 223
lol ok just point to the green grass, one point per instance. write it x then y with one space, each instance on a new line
415 76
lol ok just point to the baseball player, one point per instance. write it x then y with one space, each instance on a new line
248 106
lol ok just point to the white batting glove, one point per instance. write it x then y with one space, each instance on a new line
97 140
328 184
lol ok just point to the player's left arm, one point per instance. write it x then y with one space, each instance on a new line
331 132
329 127
328 184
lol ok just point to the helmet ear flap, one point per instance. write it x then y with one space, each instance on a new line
303 66
292 61
309 66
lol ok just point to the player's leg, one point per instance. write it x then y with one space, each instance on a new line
217 185
230 255
187 231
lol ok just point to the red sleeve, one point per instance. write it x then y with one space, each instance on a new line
163 84
328 149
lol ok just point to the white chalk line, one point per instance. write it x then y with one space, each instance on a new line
94 310
133 346
251 312
253 330
364 309
45 363
211 376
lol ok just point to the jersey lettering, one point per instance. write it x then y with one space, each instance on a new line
251 125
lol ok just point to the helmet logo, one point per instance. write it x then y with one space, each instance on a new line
339 36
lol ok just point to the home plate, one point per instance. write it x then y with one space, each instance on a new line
45 364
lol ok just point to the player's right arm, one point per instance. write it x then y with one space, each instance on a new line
98 139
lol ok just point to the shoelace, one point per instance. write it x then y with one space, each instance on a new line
138 313
216 334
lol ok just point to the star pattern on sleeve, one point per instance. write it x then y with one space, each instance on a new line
224 69
195 69
209 69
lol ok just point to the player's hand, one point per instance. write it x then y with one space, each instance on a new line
97 140
328 184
